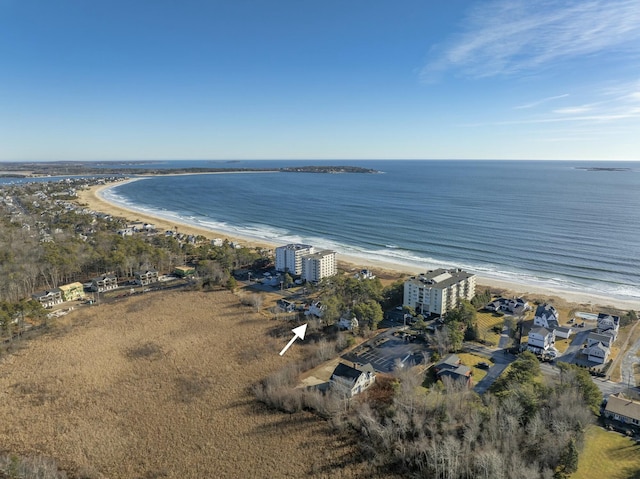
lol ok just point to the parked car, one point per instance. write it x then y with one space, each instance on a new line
483 365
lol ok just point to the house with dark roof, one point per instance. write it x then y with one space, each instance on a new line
451 367
624 412
546 316
144 278
508 305
608 324
350 381
49 298
105 282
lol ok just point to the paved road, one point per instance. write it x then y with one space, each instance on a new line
500 359
629 361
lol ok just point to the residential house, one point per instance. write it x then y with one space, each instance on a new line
316 309
351 380
509 305
144 278
623 410
563 332
72 291
608 324
451 367
348 322
546 316
50 298
598 353
438 291
540 340
103 283
604 339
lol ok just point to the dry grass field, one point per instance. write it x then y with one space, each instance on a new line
158 386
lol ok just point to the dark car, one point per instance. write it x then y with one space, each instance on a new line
483 365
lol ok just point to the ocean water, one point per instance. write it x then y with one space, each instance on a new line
553 224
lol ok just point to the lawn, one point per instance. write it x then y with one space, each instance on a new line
486 323
472 360
608 455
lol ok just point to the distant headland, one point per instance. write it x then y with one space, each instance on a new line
73 168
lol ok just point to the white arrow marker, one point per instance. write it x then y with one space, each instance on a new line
298 333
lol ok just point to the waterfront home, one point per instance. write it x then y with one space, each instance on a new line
546 316
103 283
350 381
608 324
49 298
438 291
540 340
562 332
624 412
508 305
72 291
144 278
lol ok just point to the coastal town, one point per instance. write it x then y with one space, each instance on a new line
437 330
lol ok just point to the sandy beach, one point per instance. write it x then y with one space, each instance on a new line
94 199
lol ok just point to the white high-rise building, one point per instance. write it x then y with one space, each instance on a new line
289 257
319 265
439 291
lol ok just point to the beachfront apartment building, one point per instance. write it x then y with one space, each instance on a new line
319 265
438 291
289 257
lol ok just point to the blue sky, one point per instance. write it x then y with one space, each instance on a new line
243 79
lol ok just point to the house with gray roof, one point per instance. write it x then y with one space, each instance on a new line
623 411
546 316
451 367
350 381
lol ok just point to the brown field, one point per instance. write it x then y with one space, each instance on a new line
157 386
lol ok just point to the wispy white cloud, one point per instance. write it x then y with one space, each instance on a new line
574 110
510 36
533 104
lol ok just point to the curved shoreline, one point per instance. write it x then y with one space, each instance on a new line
95 200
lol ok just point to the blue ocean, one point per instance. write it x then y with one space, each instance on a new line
570 225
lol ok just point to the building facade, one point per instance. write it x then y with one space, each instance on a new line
318 265
439 291
289 257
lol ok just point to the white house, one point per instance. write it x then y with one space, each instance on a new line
546 316
562 332
608 324
351 381
348 322
540 340
598 353
316 309
144 278
604 339
104 283
49 298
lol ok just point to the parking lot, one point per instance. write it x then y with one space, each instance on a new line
387 350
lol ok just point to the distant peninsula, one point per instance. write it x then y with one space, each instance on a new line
36 169
601 168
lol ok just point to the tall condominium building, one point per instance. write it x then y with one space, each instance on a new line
289 257
316 266
439 291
